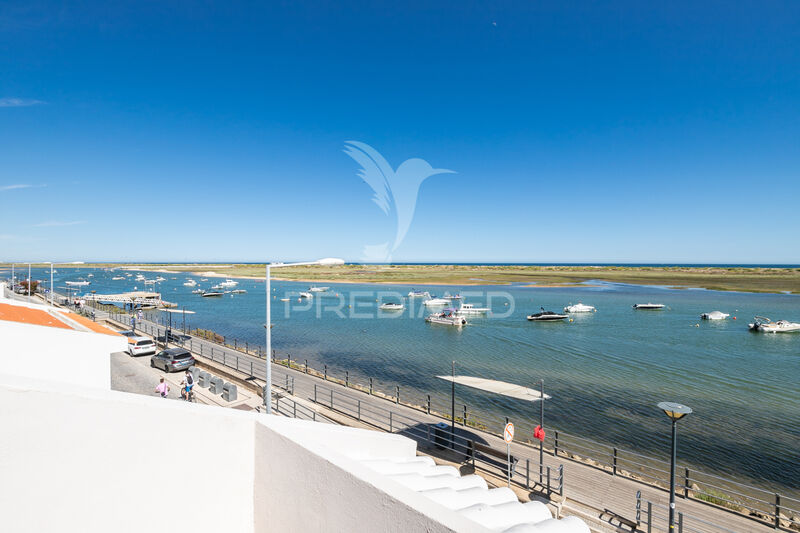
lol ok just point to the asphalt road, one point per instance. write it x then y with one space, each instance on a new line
134 374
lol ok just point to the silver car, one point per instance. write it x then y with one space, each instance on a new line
172 360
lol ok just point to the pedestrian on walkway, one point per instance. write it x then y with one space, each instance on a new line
186 386
162 388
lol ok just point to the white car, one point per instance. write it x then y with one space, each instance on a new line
141 346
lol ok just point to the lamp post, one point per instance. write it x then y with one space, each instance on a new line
328 261
675 412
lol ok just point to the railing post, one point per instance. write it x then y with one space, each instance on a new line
359 410
464 420
288 360
555 452
680 522
326 372
686 484
246 347
331 398
614 468
548 480
391 425
561 480
528 474
428 405
347 379
370 386
234 345
397 396
201 349
223 358
638 506
777 510
287 382
315 393
649 517
306 369
251 369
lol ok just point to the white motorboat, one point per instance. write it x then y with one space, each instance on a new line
117 278
448 317
285 299
579 308
90 275
306 295
238 291
649 306
228 283
419 294
198 291
436 302
448 296
149 282
160 279
470 309
546 316
392 307
78 283
318 289
765 325
189 283
715 315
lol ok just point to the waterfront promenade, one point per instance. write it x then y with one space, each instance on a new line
588 490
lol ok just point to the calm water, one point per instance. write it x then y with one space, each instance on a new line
605 370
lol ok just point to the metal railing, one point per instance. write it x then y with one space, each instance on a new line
772 507
653 517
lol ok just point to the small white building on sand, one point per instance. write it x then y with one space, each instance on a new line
77 456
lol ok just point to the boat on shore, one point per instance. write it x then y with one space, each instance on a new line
448 317
546 316
391 307
715 315
579 308
470 309
419 294
763 324
649 306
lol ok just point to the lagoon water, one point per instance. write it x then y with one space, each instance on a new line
606 371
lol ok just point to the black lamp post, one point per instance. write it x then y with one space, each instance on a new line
675 412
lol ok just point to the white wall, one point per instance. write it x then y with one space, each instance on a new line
57 354
87 460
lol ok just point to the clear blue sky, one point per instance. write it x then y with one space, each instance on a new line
608 132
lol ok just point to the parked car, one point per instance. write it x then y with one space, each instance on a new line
172 360
141 346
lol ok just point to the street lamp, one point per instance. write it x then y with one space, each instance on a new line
328 261
675 412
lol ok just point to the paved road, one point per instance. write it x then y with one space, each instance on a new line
585 485
134 374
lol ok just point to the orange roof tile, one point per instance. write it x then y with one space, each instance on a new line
25 315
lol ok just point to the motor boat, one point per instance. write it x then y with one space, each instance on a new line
90 275
391 307
447 296
285 299
238 291
160 279
198 291
579 308
211 293
715 315
318 289
228 283
448 317
419 294
546 316
765 325
436 302
189 283
149 282
306 295
78 283
649 306
117 278
470 309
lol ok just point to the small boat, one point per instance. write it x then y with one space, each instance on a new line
546 316
90 275
447 296
448 317
715 315
648 306
217 287
765 325
211 293
228 283
198 291
579 308
285 299
117 278
238 291
419 294
160 279
306 295
392 307
436 302
470 309
189 283
318 289
78 283
203 279
149 282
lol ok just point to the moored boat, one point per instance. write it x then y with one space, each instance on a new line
579 308
306 295
715 315
390 306
318 289
419 294
211 293
470 309
765 325
546 316
649 306
436 302
448 317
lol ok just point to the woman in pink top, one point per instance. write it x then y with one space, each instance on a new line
162 388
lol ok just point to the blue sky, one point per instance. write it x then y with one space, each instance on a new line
607 132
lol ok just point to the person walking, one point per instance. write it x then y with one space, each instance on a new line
187 384
162 388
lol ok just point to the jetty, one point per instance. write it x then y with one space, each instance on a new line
136 299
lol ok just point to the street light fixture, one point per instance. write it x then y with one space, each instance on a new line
327 261
675 412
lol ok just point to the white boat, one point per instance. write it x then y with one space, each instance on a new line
447 296
285 299
579 308
648 306
765 325
160 279
436 302
117 278
419 294
306 295
449 317
238 291
210 293
203 279
78 283
392 307
470 309
149 282
189 283
546 316
318 289
228 283
198 291
90 276
715 315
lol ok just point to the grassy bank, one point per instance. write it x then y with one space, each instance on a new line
716 278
